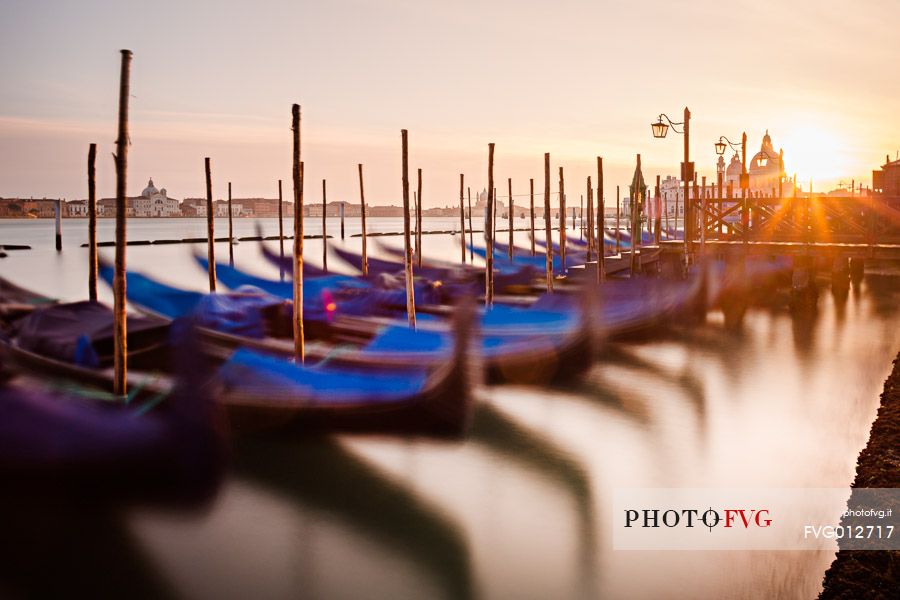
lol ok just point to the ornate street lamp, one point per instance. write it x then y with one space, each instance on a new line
660 128
721 145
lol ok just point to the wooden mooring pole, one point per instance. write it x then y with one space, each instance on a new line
509 214
362 221
407 250
92 222
562 221
341 210
230 230
210 230
618 210
419 218
471 238
489 230
590 202
548 222
120 333
280 231
57 214
531 193
299 342
658 213
462 220
601 224
324 222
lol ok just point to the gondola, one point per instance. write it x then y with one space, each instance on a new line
260 389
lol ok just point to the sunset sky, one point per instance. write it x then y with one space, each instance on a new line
577 79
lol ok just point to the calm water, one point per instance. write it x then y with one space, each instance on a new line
520 509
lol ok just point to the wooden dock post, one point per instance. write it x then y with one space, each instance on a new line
590 209
280 231
509 213
704 205
581 221
407 250
210 230
419 218
57 214
362 221
562 221
658 213
618 211
342 210
120 331
636 200
230 230
601 224
92 222
548 222
471 238
489 231
324 222
462 219
531 192
299 341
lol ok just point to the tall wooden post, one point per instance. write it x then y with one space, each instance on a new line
590 203
462 220
618 212
636 198
210 229
531 193
419 218
57 214
601 224
407 249
92 222
471 238
562 221
120 339
658 213
509 214
230 230
548 222
299 341
281 231
342 209
704 207
362 220
324 223
581 220
489 230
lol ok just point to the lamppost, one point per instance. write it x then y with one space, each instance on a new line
660 128
745 177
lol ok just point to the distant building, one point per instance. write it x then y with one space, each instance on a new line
76 208
886 181
155 203
222 208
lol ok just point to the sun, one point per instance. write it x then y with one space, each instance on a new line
814 152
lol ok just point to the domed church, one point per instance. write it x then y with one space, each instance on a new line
155 203
766 168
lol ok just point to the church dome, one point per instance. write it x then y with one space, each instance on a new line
149 190
766 160
734 168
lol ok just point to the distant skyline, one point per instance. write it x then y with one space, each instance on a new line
576 79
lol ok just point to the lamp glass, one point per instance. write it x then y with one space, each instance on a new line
660 129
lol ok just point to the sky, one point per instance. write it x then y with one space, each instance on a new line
577 79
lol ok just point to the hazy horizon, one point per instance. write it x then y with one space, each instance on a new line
574 79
